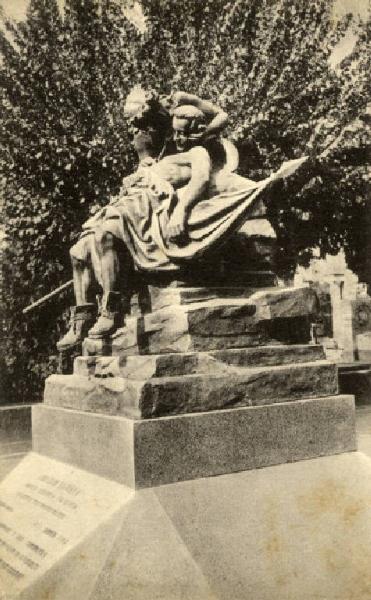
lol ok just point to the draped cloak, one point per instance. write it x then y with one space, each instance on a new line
139 216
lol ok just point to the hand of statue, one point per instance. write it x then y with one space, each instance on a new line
175 99
93 220
179 98
176 225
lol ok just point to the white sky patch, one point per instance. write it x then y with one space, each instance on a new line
359 8
343 48
16 9
134 13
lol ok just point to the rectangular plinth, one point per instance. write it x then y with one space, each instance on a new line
145 453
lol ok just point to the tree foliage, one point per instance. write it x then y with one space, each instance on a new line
65 147
268 64
64 151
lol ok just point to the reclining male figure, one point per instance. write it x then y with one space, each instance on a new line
120 238
171 211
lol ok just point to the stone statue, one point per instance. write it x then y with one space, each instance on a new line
150 129
228 360
172 210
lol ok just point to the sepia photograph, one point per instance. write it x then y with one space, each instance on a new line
185 300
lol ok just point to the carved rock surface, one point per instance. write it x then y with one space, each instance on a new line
161 396
163 365
91 394
247 387
178 296
281 315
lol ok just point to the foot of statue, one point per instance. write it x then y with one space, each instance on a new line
82 318
110 318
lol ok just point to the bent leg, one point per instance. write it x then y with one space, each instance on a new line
84 313
84 276
117 271
110 263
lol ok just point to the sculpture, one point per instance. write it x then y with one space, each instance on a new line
173 209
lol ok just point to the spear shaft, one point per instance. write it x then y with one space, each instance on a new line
44 299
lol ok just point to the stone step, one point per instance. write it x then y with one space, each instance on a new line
166 365
160 396
281 315
150 298
178 296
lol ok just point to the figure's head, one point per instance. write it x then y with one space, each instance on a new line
149 123
136 103
189 123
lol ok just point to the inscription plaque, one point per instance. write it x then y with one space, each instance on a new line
47 509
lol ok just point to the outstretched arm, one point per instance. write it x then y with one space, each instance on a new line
219 118
199 161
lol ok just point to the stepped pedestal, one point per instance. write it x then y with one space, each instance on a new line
211 381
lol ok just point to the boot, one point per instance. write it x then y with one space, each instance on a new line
82 318
110 318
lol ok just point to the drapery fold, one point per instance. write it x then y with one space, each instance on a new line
139 217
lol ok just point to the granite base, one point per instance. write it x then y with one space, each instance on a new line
146 453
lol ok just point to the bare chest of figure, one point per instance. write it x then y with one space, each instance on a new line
174 169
